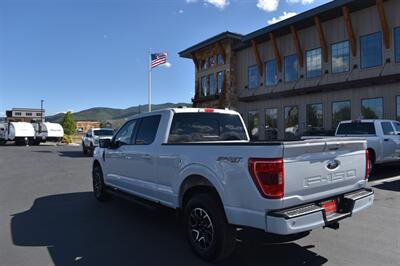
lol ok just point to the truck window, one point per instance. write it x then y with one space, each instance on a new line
387 128
148 130
356 128
192 127
103 132
397 126
124 135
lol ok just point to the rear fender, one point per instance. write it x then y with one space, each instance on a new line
196 170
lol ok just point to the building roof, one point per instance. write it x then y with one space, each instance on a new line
27 109
303 20
224 35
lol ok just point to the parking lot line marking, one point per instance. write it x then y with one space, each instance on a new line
380 181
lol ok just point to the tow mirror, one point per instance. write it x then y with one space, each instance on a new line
105 143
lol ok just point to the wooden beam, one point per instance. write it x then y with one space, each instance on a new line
296 41
258 58
275 49
322 40
195 61
384 23
349 29
222 51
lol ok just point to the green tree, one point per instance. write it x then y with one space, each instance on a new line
68 124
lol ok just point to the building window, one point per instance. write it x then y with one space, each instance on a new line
211 62
211 80
203 86
291 73
220 59
314 63
203 64
271 76
371 50
28 114
18 113
38 114
398 108
372 108
340 111
254 122
340 57
314 117
253 77
291 122
397 44
271 124
220 81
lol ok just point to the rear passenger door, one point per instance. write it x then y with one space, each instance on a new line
390 141
139 163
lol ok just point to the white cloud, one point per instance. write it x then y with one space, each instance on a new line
303 2
167 65
284 16
218 3
221 4
180 11
268 5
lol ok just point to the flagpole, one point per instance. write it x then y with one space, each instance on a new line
149 89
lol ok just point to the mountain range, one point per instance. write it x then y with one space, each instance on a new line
103 114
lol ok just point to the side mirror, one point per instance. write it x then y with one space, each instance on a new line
105 143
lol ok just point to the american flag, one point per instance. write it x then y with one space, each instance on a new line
158 59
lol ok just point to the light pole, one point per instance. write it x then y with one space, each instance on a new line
41 116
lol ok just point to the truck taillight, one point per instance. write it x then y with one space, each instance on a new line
268 175
367 165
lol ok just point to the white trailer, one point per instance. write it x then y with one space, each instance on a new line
20 132
47 132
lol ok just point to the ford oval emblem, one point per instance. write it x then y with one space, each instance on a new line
333 164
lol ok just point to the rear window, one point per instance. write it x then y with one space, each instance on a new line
197 127
103 132
356 128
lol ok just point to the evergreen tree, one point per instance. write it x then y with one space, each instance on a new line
68 124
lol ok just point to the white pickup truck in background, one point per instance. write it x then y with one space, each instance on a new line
383 138
91 139
202 163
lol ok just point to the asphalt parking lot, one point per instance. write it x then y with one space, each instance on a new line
48 216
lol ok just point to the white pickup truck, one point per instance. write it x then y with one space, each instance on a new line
201 163
91 139
383 138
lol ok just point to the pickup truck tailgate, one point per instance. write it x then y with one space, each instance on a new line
321 168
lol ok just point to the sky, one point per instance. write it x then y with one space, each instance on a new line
79 54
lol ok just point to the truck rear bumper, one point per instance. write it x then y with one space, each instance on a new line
311 216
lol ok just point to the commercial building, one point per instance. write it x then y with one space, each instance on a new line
335 62
25 115
84 126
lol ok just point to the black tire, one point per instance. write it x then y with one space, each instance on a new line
371 162
99 188
84 150
207 229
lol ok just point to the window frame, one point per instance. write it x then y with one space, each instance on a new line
318 103
395 50
345 71
383 106
218 91
381 44
321 63
211 90
254 113
248 77
284 119
265 73
277 121
332 113
284 68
